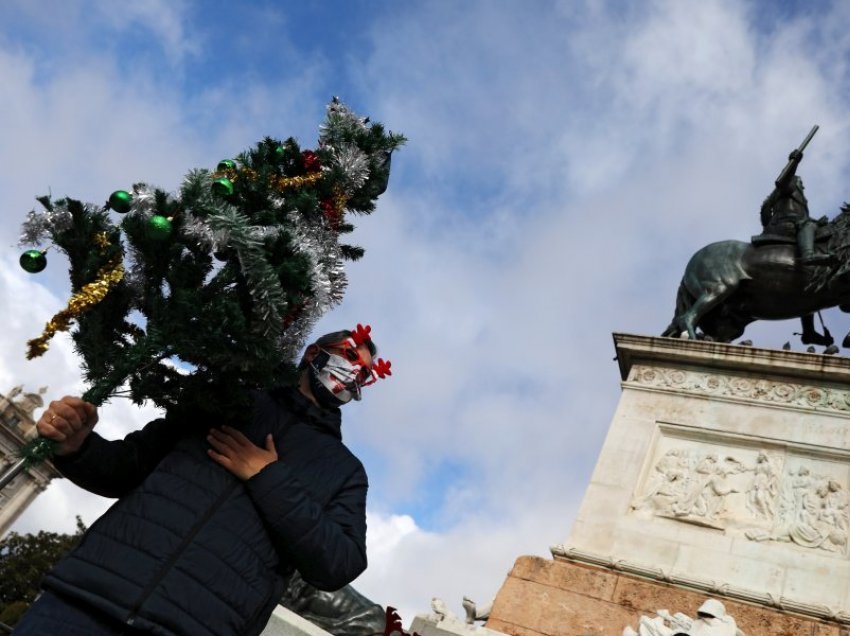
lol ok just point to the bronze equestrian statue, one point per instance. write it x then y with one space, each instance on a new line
795 268
785 211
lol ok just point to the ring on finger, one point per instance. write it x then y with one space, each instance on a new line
52 417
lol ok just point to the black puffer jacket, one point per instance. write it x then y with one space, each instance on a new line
190 549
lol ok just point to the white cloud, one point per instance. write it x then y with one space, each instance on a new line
165 19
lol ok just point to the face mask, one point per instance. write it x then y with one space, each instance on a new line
334 380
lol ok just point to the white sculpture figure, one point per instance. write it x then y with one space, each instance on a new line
837 506
440 611
711 620
697 481
443 622
658 626
762 492
30 401
709 487
669 482
475 613
711 501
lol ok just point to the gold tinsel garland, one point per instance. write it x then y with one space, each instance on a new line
340 199
107 277
279 183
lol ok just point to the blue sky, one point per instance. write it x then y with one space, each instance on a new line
564 161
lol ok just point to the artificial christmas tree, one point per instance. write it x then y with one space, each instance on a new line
191 300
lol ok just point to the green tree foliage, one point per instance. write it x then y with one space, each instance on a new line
24 560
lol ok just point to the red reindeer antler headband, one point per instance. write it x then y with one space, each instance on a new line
360 335
382 368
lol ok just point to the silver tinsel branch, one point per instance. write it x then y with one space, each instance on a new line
340 123
268 296
341 126
134 280
35 228
142 205
321 248
144 201
38 226
226 227
195 228
354 164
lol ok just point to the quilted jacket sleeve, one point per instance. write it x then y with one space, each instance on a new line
327 545
114 468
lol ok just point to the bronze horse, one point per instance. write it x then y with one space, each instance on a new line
729 284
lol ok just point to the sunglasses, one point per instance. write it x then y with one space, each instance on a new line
364 375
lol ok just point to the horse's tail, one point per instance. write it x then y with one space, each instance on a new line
684 300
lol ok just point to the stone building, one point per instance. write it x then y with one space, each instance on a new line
17 426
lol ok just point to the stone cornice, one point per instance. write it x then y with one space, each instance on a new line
719 588
721 357
741 388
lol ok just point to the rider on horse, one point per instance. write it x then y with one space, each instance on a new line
785 213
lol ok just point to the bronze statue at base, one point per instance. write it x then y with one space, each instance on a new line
344 612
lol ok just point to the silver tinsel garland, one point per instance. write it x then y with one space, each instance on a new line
39 226
265 289
134 280
144 201
224 227
340 123
195 228
321 247
354 164
143 205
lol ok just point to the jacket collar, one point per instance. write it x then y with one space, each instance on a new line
327 420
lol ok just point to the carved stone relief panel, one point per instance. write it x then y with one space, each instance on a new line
765 494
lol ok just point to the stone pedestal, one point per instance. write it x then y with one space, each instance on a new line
544 597
725 473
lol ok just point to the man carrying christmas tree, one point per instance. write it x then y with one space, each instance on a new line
211 520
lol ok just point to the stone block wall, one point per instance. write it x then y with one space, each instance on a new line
544 597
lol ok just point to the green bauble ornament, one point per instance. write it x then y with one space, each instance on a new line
158 227
222 187
279 152
120 201
226 164
33 261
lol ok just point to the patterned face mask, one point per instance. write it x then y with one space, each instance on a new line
336 379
